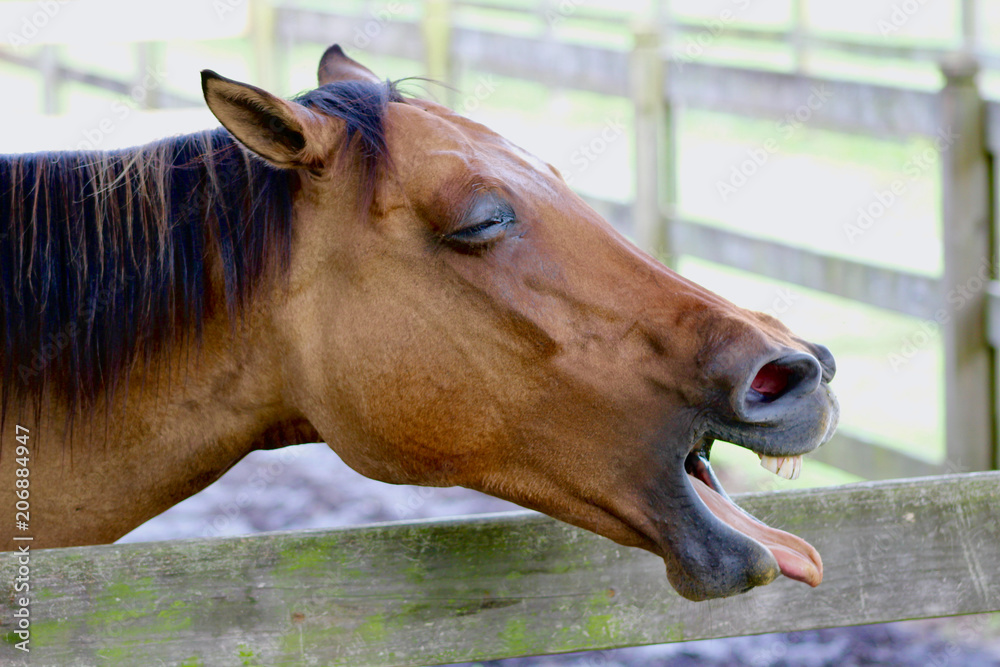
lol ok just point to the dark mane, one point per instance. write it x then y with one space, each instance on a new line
104 256
362 105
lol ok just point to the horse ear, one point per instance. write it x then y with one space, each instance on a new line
284 133
335 65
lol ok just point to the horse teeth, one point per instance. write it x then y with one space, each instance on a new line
788 467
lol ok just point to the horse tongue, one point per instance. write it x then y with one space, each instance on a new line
797 558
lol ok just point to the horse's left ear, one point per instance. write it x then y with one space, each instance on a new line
335 65
284 133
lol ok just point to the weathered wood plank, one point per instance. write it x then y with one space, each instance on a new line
842 105
66 73
397 37
900 291
872 460
799 38
969 264
845 105
993 128
502 585
557 64
654 150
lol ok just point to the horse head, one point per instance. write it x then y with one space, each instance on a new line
454 314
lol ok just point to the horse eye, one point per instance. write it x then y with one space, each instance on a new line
481 235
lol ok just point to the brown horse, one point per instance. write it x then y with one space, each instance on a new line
379 273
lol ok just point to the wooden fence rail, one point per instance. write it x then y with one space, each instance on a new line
496 586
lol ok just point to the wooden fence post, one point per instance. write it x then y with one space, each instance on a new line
262 32
48 66
968 266
436 28
655 177
969 36
800 35
146 90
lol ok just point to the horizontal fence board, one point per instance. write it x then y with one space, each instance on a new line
551 13
841 105
813 41
682 29
907 293
63 72
899 291
532 58
387 37
846 105
502 585
619 214
871 460
552 63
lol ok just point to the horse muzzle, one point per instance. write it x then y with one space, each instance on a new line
781 409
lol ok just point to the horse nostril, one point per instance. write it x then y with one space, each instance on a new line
771 380
794 374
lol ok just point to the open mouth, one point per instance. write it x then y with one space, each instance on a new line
782 411
711 547
796 558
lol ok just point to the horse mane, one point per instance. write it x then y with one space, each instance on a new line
105 256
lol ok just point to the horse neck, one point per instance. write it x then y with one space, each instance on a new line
116 258
172 431
135 349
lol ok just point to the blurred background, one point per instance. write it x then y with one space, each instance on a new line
826 161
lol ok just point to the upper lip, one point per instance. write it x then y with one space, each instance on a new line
782 425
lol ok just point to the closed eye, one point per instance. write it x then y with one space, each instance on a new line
483 233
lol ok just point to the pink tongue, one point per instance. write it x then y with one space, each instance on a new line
771 380
797 558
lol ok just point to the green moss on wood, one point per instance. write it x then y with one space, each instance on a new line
301 559
423 594
601 628
373 629
515 637
247 657
50 633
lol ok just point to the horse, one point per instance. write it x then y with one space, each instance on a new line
374 271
